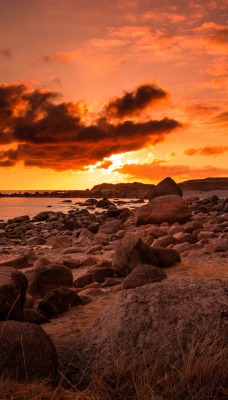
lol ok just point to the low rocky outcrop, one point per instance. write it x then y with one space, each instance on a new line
170 208
13 286
26 352
158 322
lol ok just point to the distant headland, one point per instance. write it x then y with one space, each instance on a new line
123 190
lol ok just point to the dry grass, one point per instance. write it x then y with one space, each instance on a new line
202 376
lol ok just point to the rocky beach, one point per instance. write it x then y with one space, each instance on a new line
81 288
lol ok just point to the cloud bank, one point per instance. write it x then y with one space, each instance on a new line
45 132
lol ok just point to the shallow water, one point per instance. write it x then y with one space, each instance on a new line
11 207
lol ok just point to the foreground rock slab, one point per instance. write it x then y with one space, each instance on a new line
157 322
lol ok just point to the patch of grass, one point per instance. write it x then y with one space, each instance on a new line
202 375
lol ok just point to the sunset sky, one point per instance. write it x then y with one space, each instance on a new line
112 91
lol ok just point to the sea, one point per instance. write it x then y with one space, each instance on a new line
11 207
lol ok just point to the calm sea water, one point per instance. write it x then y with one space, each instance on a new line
11 207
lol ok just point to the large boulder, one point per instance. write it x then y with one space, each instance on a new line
131 252
166 187
43 279
170 208
154 323
26 352
13 286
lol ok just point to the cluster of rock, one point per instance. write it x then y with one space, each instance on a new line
62 261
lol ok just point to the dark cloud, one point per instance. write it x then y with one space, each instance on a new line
7 53
134 102
207 151
52 134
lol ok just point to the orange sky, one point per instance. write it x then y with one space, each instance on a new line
103 91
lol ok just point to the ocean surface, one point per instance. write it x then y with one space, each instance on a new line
11 207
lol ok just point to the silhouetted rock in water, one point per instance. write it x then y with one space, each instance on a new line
104 203
13 286
170 208
26 352
158 322
166 187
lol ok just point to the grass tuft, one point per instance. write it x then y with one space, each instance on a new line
202 375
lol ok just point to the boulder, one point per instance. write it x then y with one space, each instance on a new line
131 252
166 187
143 275
58 301
110 227
13 286
103 203
61 242
166 257
170 208
156 323
26 352
43 279
82 280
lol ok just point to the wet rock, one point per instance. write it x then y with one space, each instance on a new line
103 203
